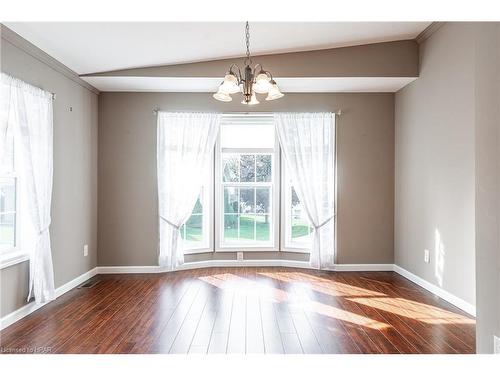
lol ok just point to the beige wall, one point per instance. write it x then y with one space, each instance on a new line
127 171
447 169
434 197
388 59
74 199
487 119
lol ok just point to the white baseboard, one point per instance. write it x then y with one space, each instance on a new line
75 282
27 309
440 292
243 263
129 269
20 313
203 264
362 267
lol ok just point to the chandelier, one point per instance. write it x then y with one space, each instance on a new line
256 80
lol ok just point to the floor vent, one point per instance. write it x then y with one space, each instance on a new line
89 284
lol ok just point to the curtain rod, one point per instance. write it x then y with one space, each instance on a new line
338 112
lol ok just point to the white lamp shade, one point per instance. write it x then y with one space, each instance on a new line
253 100
262 84
222 96
274 92
230 84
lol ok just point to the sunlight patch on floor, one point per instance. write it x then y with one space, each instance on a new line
346 316
414 310
325 286
241 285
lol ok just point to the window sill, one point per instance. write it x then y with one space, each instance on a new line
12 258
300 250
234 249
197 251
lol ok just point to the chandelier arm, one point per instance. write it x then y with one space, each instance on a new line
255 73
239 71
255 67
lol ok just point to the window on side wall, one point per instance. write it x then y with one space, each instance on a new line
9 200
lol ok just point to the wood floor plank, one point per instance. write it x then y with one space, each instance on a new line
220 330
236 342
246 310
254 332
187 331
436 337
163 342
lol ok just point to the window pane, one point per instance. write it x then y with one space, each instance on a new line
230 228
247 136
247 224
7 195
230 167
194 229
262 200
198 207
247 168
193 232
247 200
230 200
7 162
264 168
300 228
263 223
7 231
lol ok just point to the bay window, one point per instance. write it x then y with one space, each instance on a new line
249 202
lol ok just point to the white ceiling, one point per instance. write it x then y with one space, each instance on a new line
189 84
89 47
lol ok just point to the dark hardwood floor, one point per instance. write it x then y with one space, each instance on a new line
245 310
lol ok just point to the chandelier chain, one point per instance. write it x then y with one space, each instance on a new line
248 60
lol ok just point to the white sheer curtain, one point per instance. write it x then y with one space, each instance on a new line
27 112
308 144
185 145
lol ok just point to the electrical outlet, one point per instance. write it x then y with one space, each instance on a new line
427 256
239 255
496 341
85 250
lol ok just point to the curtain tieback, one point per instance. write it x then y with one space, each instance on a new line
170 223
44 229
316 227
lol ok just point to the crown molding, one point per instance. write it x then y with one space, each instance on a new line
428 31
18 41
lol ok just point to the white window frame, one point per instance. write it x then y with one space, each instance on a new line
13 255
12 175
275 194
208 214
